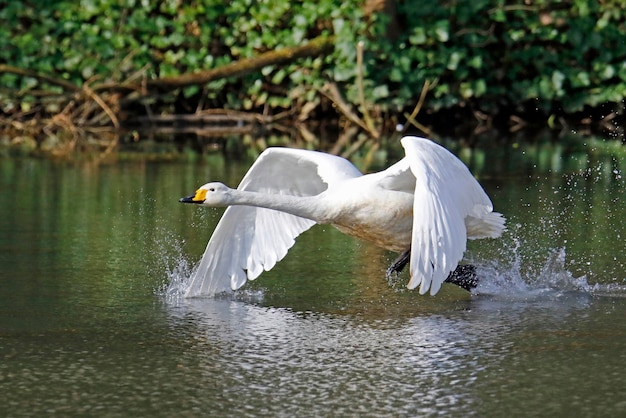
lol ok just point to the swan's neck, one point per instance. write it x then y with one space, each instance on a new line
309 207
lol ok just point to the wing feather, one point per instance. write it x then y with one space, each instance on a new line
446 196
249 240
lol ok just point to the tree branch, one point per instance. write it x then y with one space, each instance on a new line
28 73
245 66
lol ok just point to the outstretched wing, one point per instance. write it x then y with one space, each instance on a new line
446 197
249 240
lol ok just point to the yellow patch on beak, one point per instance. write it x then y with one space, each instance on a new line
200 195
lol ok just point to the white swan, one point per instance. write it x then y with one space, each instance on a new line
427 205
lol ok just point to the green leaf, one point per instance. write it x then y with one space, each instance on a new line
454 60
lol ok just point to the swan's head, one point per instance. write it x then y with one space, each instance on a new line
211 194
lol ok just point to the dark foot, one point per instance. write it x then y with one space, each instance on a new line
400 263
464 276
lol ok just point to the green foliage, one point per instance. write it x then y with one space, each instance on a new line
502 53
485 53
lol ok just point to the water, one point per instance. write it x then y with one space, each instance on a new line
88 327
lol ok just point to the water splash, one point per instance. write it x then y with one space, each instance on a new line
169 251
514 281
555 276
179 274
177 282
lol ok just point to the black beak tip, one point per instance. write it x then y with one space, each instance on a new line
189 199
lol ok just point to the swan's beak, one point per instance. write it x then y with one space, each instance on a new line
196 198
189 199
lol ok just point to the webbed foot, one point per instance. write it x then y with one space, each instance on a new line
464 276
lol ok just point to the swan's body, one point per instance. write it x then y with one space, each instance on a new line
427 202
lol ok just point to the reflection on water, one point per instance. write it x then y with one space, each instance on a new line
86 327
337 366
471 361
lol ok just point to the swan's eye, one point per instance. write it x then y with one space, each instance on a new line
212 189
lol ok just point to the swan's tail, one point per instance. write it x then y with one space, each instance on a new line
486 225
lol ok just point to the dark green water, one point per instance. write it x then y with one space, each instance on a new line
87 330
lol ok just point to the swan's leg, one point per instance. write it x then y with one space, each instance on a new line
464 276
400 263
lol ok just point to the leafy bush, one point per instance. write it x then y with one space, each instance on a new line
495 53
488 54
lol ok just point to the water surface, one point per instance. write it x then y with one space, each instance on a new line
87 329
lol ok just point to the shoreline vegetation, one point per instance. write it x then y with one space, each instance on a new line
97 74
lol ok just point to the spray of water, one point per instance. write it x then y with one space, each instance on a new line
179 271
172 259
514 281
177 281
514 276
